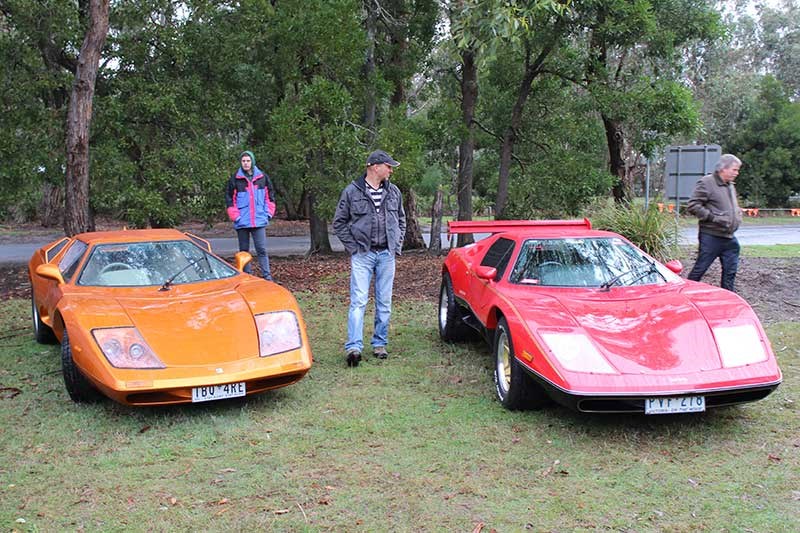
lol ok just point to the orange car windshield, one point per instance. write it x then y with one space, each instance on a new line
591 262
144 264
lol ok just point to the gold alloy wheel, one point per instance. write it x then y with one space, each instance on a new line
503 362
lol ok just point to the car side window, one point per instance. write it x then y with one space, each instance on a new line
498 256
69 262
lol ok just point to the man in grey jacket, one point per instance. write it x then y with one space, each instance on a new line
371 224
714 203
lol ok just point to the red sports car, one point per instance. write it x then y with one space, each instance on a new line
585 318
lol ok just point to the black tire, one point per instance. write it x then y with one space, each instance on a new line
515 389
41 331
78 387
451 326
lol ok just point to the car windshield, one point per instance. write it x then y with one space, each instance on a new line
143 264
593 262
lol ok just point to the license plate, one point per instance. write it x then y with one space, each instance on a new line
218 392
681 404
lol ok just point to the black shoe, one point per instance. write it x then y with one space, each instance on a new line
353 357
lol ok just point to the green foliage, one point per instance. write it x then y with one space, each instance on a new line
768 143
652 231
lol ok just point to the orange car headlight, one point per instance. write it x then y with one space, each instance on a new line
278 332
125 348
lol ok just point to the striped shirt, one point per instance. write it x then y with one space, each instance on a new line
376 195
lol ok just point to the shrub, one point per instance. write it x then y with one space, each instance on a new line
649 229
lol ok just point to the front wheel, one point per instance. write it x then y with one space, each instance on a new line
451 326
78 387
41 331
514 388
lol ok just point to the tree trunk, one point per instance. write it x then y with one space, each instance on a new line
320 241
435 247
51 208
370 98
413 239
616 163
466 149
532 70
286 201
77 215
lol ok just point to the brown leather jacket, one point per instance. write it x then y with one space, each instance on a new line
714 203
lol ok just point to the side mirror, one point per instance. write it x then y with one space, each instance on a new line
50 271
675 265
486 272
241 259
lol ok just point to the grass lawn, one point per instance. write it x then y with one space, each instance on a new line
416 442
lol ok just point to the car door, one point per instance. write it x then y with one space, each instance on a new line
497 256
53 291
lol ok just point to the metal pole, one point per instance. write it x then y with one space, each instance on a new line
647 183
677 189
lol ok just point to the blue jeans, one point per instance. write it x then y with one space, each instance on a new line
362 267
712 247
260 242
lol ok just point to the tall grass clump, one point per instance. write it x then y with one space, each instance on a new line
649 229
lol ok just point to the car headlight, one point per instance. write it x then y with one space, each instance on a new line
125 348
739 345
576 353
278 332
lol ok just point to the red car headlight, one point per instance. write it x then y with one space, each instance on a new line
576 353
739 345
125 348
278 332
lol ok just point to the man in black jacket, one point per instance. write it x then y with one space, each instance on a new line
714 203
371 224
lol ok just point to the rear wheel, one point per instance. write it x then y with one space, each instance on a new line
78 387
514 388
41 331
451 326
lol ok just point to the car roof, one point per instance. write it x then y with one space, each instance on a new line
132 235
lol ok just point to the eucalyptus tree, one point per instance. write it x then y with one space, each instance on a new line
38 29
77 214
38 63
313 135
631 64
399 37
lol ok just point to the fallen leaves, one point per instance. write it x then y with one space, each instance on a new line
554 469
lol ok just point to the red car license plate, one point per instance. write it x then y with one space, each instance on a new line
681 404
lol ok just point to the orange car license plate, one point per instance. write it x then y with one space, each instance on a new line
681 404
218 392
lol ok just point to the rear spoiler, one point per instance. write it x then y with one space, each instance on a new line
499 226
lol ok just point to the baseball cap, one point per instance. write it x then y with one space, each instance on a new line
379 157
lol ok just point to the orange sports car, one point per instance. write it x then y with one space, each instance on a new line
152 317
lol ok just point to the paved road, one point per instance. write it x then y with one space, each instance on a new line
285 246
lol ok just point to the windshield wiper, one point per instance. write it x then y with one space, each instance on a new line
167 284
650 269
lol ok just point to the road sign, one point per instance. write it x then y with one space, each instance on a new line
685 165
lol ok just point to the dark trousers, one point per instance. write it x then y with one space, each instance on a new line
259 236
712 247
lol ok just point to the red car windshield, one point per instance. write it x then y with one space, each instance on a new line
594 262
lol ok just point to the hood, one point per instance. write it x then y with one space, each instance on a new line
662 331
195 330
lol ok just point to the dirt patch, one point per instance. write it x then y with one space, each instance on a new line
769 285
